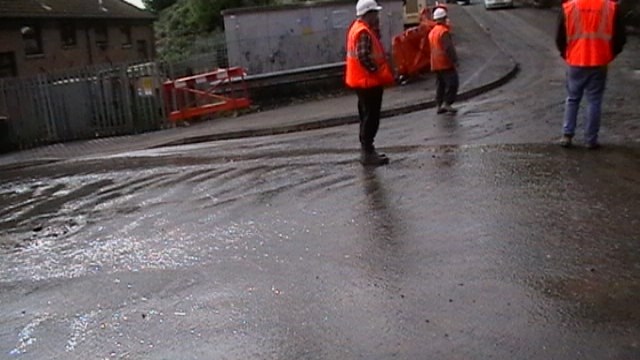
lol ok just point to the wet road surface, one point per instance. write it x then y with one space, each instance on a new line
480 240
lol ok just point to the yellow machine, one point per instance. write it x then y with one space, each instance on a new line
412 10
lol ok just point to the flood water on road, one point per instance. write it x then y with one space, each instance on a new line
254 250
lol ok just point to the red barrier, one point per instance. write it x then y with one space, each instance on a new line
410 50
207 93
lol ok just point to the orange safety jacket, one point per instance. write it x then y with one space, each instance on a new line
439 58
356 75
589 26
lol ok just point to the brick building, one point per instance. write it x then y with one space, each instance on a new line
39 36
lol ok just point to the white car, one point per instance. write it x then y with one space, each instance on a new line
492 4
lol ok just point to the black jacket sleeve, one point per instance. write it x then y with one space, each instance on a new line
561 35
449 48
619 33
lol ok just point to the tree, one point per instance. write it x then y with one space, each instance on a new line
181 22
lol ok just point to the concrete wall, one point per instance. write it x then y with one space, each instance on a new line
265 40
55 56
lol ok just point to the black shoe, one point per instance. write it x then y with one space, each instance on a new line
379 154
373 159
565 141
449 109
593 146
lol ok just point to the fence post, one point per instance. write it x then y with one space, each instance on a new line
126 101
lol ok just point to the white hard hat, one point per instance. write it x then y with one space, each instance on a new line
439 14
364 6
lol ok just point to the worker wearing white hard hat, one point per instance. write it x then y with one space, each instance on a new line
439 14
364 6
440 6
367 72
444 60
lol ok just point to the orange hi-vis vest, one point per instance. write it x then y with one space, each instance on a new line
589 27
356 75
439 58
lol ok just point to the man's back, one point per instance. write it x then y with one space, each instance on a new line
590 32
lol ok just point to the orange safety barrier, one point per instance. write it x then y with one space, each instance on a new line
207 93
410 50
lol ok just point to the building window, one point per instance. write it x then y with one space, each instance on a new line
32 39
102 36
7 65
143 52
68 34
126 36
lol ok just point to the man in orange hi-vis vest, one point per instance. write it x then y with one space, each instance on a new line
367 72
590 34
444 61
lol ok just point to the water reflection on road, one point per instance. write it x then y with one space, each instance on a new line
532 239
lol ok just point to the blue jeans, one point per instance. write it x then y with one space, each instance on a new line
590 81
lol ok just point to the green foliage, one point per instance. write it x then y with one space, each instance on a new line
206 13
181 22
175 32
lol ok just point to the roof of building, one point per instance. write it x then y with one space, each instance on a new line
92 9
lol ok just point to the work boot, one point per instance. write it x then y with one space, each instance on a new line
373 158
565 141
593 146
449 109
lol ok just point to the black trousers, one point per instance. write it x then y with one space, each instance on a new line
369 105
446 86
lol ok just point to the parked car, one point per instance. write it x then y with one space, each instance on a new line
493 4
463 2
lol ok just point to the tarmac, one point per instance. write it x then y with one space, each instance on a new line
483 66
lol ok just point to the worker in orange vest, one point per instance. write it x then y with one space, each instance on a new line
444 61
367 72
590 34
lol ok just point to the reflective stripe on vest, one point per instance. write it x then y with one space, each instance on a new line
601 32
374 56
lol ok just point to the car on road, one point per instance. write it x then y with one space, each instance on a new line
494 4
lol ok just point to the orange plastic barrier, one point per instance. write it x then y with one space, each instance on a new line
207 93
410 50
